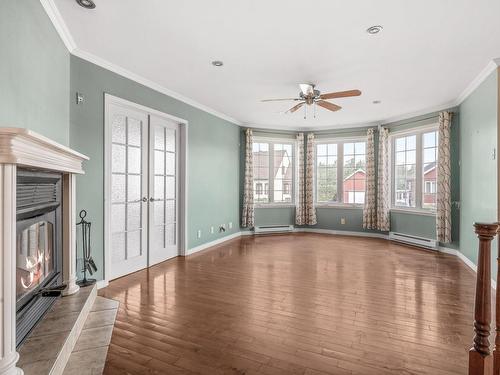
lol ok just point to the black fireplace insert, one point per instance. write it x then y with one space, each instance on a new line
38 248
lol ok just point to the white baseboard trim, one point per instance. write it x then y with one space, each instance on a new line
102 284
343 232
469 263
213 243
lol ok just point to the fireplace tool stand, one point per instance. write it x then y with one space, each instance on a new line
88 263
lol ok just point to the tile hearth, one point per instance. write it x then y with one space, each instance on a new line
72 338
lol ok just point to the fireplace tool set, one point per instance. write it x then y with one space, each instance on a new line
88 263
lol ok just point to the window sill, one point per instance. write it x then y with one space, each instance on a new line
275 205
340 205
414 211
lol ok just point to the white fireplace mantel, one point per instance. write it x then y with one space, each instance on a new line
21 147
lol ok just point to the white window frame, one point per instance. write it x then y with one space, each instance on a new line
340 170
418 132
272 142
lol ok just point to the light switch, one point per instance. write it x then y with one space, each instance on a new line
342 221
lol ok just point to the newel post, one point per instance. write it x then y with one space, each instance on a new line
496 351
480 358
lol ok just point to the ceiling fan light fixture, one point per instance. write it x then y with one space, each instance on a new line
217 63
87 4
372 30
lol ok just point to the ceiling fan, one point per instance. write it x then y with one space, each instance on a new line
310 96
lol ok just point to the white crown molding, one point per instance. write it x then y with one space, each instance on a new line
148 83
59 24
488 69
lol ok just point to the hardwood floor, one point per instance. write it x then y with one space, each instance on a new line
306 304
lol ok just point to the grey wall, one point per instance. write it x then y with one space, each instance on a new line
213 153
479 180
34 71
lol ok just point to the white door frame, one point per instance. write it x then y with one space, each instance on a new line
183 173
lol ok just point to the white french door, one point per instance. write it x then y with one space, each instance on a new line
163 208
142 194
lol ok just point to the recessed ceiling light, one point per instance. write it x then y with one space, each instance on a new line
377 102
374 29
217 63
87 4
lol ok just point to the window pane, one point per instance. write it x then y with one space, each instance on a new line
354 175
282 171
326 173
405 171
260 171
411 142
430 139
321 150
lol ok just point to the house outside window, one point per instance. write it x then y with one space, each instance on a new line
341 171
273 170
414 169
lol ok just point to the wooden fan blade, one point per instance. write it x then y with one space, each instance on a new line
296 107
280 100
328 105
340 94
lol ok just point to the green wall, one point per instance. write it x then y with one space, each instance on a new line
213 153
34 71
479 183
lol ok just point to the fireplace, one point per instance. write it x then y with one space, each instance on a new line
38 246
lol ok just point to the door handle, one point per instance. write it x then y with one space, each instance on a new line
144 199
152 199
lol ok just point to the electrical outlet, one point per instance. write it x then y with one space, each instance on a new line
199 234
212 230
342 221
230 225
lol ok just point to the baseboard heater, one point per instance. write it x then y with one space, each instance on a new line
266 229
413 240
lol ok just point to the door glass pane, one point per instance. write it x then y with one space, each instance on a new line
170 164
134 160
159 138
134 188
118 159
118 246
170 188
170 140
118 129
134 132
134 216
159 235
159 212
159 187
170 211
117 218
170 234
133 244
159 162
118 188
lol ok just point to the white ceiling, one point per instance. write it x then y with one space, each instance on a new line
427 54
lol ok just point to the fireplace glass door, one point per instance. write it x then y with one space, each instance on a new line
35 257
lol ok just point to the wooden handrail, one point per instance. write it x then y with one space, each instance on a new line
480 358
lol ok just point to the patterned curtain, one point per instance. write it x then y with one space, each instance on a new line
247 216
443 215
370 207
310 210
383 198
300 217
